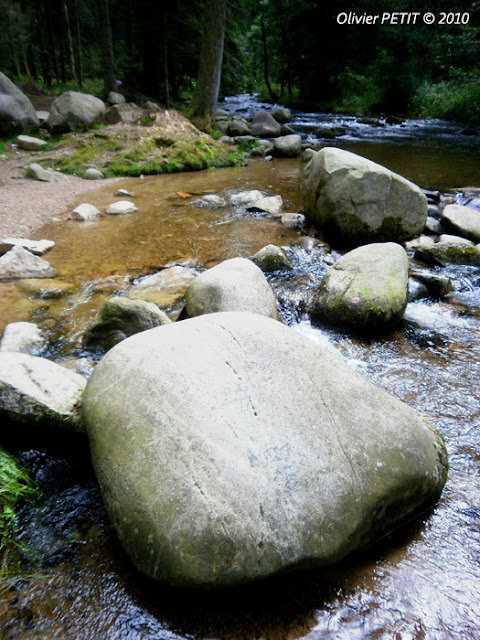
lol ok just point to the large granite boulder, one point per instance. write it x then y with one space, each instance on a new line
264 125
366 290
233 285
119 318
73 110
229 447
36 391
17 114
357 201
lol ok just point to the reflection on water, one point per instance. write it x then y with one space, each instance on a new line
420 583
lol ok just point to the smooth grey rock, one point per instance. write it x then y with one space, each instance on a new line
356 201
269 204
115 98
464 221
293 220
23 337
166 289
282 115
271 258
366 290
36 172
421 241
36 391
121 113
245 197
29 143
119 318
267 145
438 286
151 106
121 207
37 247
238 128
93 174
221 113
287 146
446 238
308 154
264 125
286 130
123 193
416 290
229 448
42 117
73 110
434 226
233 285
20 263
84 212
17 114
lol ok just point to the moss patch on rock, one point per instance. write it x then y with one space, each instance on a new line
169 143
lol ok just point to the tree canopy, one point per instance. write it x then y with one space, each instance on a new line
295 51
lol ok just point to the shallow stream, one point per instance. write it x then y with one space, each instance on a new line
422 582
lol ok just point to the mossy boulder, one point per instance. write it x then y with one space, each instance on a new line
357 201
366 291
449 251
271 258
233 285
230 448
119 318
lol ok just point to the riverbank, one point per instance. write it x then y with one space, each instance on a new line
26 205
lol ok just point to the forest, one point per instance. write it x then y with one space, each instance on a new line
297 52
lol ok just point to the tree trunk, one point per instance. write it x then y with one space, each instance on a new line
79 45
109 79
266 73
204 101
70 43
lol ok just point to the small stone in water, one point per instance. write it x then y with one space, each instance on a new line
122 206
124 193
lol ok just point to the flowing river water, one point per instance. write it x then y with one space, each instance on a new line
420 582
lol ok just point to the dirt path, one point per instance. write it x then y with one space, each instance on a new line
26 205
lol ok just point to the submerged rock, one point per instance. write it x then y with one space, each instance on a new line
119 318
37 391
229 448
23 337
166 289
245 197
84 212
121 207
20 263
366 290
269 204
358 201
271 258
233 285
